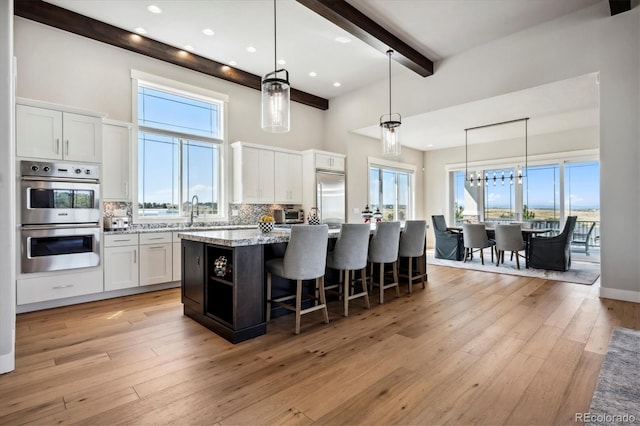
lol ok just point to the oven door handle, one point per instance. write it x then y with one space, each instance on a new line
57 179
60 226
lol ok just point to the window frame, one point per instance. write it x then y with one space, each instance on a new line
558 158
197 93
410 169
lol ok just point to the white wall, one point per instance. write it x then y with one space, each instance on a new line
64 68
7 193
587 41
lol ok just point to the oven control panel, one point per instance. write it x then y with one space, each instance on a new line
58 170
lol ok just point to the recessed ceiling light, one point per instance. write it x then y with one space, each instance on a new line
313 74
233 63
154 9
251 49
281 62
208 31
430 145
343 40
337 84
140 30
189 47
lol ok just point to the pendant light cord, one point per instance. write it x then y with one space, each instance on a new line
389 52
275 40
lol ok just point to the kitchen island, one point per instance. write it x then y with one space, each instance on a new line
223 278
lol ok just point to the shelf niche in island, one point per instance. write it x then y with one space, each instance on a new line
223 288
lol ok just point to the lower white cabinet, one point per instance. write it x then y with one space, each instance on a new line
156 258
58 286
177 258
121 255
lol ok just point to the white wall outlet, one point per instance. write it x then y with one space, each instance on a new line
356 210
235 212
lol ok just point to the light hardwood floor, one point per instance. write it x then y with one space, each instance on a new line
473 348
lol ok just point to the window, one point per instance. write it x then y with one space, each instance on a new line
391 191
499 195
179 152
542 194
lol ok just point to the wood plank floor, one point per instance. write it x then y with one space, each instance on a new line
473 348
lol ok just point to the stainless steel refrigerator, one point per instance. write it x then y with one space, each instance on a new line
330 197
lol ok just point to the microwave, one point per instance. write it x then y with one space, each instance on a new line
288 216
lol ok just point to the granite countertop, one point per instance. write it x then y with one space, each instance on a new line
178 229
242 237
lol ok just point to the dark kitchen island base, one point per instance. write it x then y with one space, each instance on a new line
225 331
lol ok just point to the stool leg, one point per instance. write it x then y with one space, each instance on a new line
268 296
381 283
363 272
323 299
345 294
298 304
410 275
395 278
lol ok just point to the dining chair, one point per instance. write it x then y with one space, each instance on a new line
412 246
305 258
475 239
449 244
509 238
553 253
349 255
383 249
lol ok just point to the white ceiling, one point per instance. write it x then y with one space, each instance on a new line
307 43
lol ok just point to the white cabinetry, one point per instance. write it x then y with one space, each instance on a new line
288 178
329 161
253 174
177 258
156 258
58 286
116 161
120 261
58 135
263 175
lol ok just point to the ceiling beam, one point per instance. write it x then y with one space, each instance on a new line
619 6
49 14
359 25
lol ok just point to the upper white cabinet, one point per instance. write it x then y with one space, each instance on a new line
253 174
116 161
288 178
329 161
58 135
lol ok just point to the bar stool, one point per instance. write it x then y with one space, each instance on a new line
304 259
350 254
383 248
413 240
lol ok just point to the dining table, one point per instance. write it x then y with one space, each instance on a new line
527 234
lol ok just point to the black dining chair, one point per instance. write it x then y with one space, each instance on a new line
553 253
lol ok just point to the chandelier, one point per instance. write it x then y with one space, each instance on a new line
477 178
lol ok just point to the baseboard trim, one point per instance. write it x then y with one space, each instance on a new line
617 294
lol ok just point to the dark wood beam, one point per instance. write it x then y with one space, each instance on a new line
49 14
619 6
359 25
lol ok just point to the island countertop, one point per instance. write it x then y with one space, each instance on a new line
243 237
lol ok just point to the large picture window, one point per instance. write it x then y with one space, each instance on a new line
179 153
391 191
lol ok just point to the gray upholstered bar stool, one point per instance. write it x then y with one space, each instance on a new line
350 254
413 240
304 259
383 248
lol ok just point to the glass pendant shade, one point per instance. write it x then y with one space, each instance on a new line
390 135
276 97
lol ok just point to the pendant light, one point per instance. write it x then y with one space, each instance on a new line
276 93
391 127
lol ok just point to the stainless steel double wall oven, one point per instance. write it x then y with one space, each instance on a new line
60 216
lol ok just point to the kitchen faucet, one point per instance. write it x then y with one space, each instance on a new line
195 197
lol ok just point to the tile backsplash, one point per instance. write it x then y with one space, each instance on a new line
238 214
